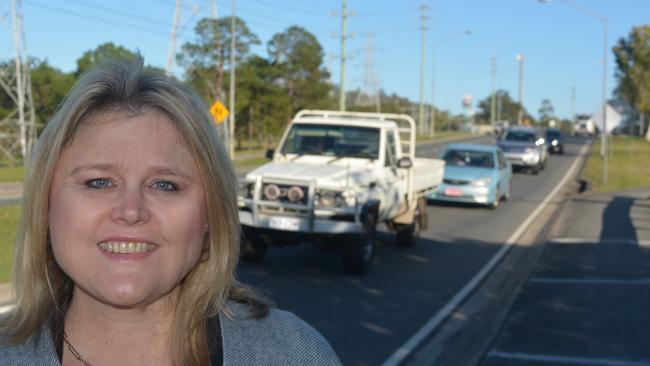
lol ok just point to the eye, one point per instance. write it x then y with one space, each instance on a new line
99 183
165 185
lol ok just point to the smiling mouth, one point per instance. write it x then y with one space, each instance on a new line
126 247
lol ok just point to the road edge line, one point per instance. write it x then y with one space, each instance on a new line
408 348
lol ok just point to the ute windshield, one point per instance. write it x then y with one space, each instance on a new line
332 140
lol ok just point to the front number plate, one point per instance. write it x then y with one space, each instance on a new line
453 192
284 223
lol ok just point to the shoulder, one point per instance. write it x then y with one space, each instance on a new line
281 338
36 350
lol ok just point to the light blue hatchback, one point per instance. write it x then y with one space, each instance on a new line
475 174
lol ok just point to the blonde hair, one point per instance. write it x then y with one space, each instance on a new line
42 287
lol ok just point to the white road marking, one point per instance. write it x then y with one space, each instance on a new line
432 325
566 359
591 281
599 241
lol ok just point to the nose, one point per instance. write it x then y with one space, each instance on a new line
131 207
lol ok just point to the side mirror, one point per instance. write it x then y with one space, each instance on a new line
404 163
269 154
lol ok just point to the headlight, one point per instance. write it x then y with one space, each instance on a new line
483 182
245 189
328 198
554 143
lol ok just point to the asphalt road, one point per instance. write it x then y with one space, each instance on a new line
366 318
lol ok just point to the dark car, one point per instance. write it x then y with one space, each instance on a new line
555 141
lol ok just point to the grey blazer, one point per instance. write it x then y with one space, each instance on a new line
279 339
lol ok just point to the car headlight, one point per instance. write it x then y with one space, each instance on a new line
554 143
329 198
483 182
245 189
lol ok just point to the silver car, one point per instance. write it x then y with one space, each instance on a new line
525 147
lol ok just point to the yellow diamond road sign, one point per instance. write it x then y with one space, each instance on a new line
219 111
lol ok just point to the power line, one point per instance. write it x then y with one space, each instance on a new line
99 19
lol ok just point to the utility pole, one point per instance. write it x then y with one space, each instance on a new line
172 39
423 52
520 114
493 104
432 114
231 120
344 34
573 109
19 124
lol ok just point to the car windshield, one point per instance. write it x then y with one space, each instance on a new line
523 136
470 158
332 140
552 134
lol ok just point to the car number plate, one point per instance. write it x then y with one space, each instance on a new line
284 223
454 192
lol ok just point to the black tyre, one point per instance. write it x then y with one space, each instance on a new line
508 193
535 170
358 252
405 234
497 199
252 249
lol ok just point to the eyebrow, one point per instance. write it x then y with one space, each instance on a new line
154 170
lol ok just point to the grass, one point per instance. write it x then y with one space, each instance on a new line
627 168
8 227
12 174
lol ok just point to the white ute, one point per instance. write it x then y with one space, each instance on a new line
334 177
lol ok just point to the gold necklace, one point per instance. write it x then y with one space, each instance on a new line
74 351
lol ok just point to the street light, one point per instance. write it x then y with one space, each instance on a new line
432 126
603 133
520 113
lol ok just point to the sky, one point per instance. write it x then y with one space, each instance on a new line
561 44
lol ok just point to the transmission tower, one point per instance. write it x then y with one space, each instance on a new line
371 84
17 127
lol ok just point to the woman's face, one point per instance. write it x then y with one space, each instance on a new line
127 209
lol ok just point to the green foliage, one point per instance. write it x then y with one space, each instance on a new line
8 227
509 108
627 158
205 58
546 111
299 58
633 68
12 174
49 87
92 58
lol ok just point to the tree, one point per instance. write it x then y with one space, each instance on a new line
299 57
633 69
49 88
261 102
546 112
205 59
505 104
92 58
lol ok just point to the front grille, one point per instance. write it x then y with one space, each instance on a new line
513 149
458 182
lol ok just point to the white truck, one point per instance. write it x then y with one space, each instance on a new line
584 126
334 177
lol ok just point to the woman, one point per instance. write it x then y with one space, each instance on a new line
130 236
